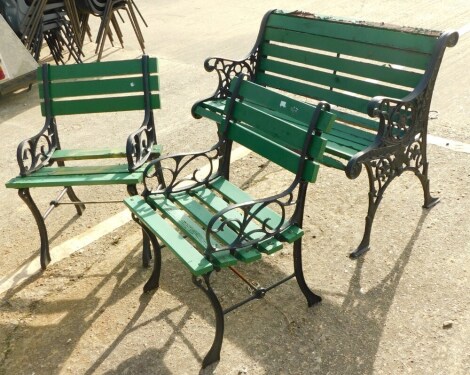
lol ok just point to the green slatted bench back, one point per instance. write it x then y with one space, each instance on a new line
99 87
275 127
342 62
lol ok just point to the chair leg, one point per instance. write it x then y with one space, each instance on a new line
312 298
73 197
44 253
383 176
154 281
146 253
214 353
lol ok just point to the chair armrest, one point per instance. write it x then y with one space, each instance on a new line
240 218
35 152
181 172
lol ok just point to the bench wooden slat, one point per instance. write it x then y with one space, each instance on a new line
191 229
103 69
352 48
353 31
331 80
203 216
236 195
315 92
189 256
116 104
99 87
105 153
381 73
216 203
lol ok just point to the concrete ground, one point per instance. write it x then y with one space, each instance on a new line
402 308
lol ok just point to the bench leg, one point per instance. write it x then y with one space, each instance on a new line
312 298
154 281
429 201
375 197
214 353
44 253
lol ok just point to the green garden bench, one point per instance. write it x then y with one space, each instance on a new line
127 85
209 223
378 78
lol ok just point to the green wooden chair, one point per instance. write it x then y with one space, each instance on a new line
209 223
128 85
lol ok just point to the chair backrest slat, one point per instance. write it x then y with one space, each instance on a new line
275 127
99 87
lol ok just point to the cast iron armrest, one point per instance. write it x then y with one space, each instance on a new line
140 142
35 152
239 217
181 172
227 69
400 121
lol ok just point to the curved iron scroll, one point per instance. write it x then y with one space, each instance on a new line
34 153
239 218
181 172
139 144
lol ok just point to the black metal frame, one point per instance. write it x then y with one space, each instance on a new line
294 195
40 148
400 144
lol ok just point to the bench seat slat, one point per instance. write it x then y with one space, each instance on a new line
216 203
191 229
189 256
105 153
353 31
203 216
352 48
378 72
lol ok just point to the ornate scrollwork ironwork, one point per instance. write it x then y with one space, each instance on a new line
181 172
228 69
140 143
34 153
241 219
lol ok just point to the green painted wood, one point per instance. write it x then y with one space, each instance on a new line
116 104
357 49
332 80
216 203
76 180
99 69
201 214
82 170
186 253
281 105
191 229
287 134
315 92
353 31
80 154
273 151
98 87
333 163
380 72
236 195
